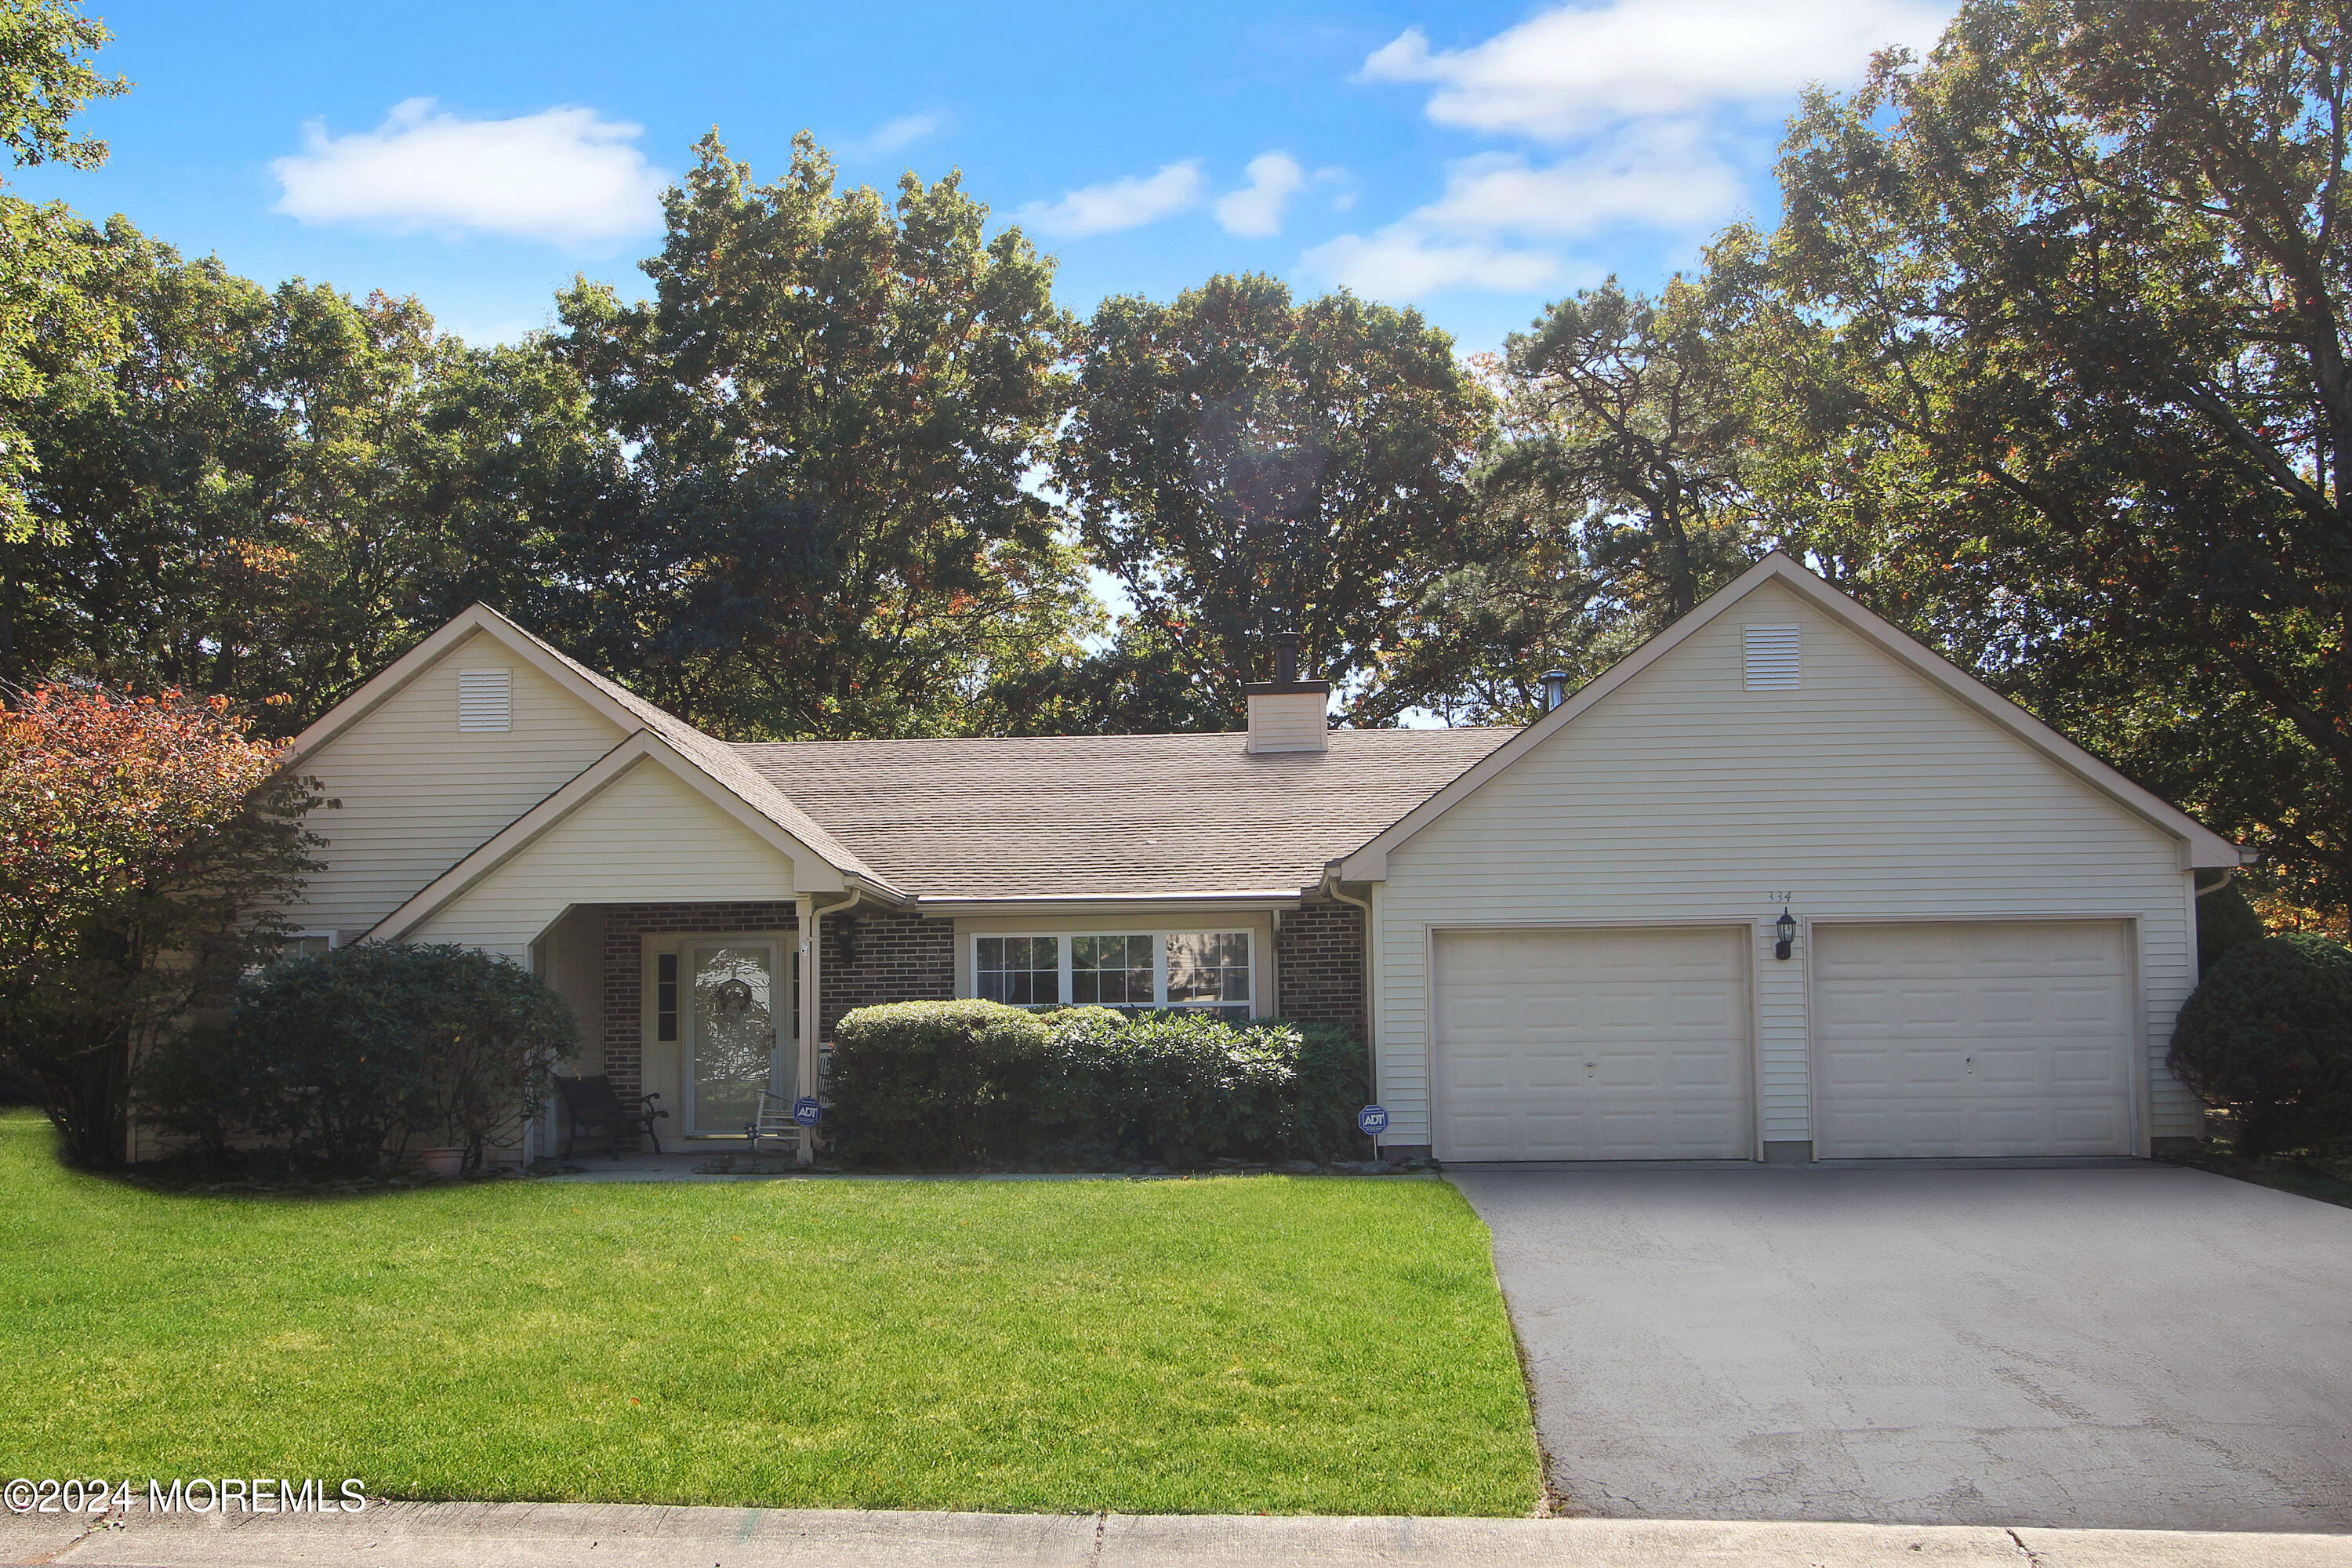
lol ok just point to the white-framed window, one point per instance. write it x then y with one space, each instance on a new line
1025 971
298 944
1211 969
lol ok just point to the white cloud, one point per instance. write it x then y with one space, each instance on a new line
1406 261
1255 210
1129 202
564 176
1663 175
1488 228
1581 67
903 131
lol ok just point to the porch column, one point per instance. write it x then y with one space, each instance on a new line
805 928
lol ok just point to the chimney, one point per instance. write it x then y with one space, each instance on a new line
1555 687
1287 714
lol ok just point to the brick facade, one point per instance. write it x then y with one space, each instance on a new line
874 955
1319 964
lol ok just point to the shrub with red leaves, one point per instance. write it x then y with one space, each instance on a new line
148 848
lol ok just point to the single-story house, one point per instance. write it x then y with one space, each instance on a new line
1565 941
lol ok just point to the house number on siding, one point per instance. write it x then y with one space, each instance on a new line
1781 898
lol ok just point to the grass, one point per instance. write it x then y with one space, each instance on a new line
1309 1345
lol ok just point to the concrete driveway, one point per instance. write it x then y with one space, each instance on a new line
2140 1348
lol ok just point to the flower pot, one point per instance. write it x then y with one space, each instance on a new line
443 1161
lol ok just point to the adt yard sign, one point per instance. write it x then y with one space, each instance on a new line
807 1112
1373 1121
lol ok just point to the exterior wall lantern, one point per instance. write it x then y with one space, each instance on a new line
1785 928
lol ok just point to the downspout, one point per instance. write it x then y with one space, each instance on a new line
2228 875
812 1008
1371 984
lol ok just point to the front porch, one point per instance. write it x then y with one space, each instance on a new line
707 1004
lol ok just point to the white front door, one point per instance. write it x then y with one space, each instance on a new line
1627 1044
1973 1037
735 1045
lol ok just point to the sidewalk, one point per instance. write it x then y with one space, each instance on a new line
565 1535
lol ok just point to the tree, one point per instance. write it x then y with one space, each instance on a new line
1613 503
830 410
1238 461
147 849
2052 354
50 326
272 493
1129 686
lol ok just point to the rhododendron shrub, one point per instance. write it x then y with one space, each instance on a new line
149 847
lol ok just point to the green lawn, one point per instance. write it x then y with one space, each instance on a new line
1315 1346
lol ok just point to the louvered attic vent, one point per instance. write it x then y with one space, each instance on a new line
1771 658
486 699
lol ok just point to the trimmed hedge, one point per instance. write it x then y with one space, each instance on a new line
933 1083
959 1084
2268 1038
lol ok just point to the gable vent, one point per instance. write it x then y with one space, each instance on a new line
1771 658
486 699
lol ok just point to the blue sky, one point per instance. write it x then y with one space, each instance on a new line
1472 159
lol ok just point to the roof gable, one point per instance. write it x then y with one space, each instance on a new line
631 713
2201 847
812 870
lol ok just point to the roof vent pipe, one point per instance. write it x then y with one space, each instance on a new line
1285 659
1555 684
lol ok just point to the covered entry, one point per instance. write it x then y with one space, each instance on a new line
1973 1037
1618 1044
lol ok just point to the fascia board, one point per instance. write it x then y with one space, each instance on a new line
944 906
392 677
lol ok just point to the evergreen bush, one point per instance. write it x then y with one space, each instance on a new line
2268 1039
2226 917
934 1084
344 1060
959 1084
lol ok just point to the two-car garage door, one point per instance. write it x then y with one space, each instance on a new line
1926 1039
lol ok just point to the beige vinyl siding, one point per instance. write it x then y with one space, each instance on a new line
419 795
646 837
1289 721
1863 792
571 959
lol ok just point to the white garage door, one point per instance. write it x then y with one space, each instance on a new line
1973 1038
1593 1045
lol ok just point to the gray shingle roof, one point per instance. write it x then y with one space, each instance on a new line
1110 814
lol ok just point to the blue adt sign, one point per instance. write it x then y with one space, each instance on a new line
1373 1120
807 1112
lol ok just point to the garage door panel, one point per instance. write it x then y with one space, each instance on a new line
1968 1038
1610 1044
